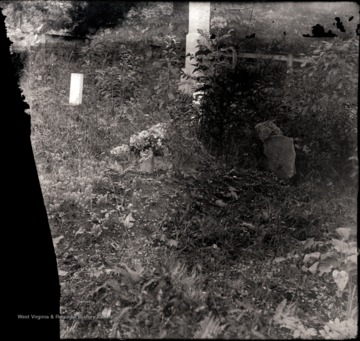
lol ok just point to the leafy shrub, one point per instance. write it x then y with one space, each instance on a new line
336 262
117 83
338 257
315 105
321 99
235 97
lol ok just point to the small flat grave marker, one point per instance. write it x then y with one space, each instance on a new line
76 88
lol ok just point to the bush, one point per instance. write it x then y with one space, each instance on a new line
315 105
235 98
321 99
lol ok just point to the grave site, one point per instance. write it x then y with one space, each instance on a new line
198 164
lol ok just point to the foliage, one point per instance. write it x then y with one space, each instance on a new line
118 82
235 96
147 11
89 16
285 317
347 329
315 105
153 139
337 254
113 229
340 255
321 99
124 149
26 20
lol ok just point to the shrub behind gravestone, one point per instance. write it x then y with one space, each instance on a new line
321 108
236 98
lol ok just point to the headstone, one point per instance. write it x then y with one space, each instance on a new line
199 19
266 129
76 88
280 156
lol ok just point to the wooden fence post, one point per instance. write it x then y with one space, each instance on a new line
290 62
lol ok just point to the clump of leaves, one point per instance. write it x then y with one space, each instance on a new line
321 99
338 259
285 316
162 299
235 96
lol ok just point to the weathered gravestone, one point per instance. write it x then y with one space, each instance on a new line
278 150
266 129
280 156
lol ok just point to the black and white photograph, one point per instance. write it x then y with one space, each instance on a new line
181 170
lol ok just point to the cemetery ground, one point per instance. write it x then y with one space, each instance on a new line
217 255
214 253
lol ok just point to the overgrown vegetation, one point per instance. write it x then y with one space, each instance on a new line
321 100
315 104
206 246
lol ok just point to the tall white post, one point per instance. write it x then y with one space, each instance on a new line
199 19
76 88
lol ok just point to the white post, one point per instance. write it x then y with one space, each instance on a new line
199 19
290 62
76 88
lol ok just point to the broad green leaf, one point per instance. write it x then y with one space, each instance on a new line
309 256
106 312
343 232
341 278
351 259
330 254
313 268
279 259
352 250
340 246
309 243
325 266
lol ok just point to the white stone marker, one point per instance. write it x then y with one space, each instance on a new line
199 19
76 88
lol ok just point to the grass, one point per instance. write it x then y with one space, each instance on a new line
216 254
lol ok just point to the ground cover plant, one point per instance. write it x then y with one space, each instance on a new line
207 245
